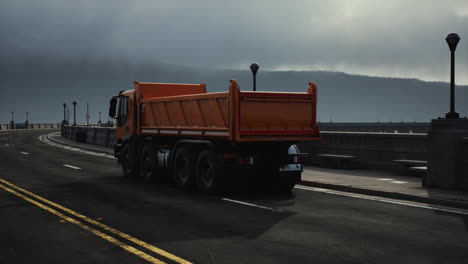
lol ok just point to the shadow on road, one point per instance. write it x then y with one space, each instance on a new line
160 212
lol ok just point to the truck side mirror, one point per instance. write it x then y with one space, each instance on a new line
113 107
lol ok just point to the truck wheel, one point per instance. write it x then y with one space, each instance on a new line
148 163
128 162
285 184
208 172
183 173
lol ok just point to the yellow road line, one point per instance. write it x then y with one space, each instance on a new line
87 228
103 226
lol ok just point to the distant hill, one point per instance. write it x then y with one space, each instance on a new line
41 89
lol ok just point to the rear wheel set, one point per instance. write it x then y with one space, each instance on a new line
209 172
201 169
183 169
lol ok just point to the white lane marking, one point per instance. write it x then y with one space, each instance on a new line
71 167
381 199
44 139
248 204
385 179
25 153
398 182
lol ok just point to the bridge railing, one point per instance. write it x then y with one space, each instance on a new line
18 126
465 150
374 150
101 136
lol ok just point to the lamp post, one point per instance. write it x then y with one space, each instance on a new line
452 41
87 114
254 68
64 112
74 113
12 122
65 120
99 122
26 124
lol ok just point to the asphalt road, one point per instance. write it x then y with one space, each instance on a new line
62 206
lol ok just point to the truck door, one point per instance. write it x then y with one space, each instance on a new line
123 113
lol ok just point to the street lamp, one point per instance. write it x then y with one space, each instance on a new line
26 124
64 122
254 68
452 41
87 114
74 113
99 122
64 112
12 122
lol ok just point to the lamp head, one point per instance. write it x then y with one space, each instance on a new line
254 68
452 41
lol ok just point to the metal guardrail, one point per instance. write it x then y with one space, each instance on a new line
386 127
19 126
374 150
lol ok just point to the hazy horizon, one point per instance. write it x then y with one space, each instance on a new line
342 97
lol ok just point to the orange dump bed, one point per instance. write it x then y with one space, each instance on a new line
187 110
157 90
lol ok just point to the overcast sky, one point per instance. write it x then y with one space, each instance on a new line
398 38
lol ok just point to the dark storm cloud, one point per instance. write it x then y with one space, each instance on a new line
387 38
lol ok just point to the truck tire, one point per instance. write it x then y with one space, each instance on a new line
285 184
184 169
148 164
209 173
128 161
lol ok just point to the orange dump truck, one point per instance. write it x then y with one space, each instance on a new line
212 140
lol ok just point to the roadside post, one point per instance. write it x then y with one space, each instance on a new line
254 68
447 160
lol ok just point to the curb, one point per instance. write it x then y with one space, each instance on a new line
393 195
110 152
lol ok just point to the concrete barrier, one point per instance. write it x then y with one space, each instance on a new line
385 127
22 126
373 150
101 136
465 151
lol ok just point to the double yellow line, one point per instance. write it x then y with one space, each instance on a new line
20 192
